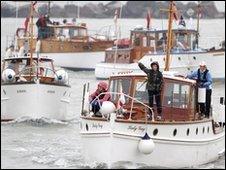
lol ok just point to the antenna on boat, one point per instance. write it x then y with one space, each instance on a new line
198 18
49 3
169 36
78 11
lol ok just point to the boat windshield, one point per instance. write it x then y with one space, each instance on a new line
22 66
141 93
176 95
120 85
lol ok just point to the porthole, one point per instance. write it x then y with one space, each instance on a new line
155 132
175 132
203 130
188 131
197 131
188 69
179 58
87 127
151 60
194 57
208 129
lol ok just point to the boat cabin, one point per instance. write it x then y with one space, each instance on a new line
178 97
144 41
19 69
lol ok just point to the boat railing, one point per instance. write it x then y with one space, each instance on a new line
147 108
36 72
106 31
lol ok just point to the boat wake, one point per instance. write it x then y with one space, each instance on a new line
37 121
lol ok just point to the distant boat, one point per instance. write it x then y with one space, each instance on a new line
182 138
32 87
76 49
147 45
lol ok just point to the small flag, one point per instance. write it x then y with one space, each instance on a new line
116 16
175 12
33 5
182 21
148 19
26 23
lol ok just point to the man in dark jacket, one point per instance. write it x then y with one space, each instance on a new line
154 85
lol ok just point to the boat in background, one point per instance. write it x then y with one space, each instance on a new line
182 138
70 45
32 87
148 44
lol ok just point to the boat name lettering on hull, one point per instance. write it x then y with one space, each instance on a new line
135 128
97 126
21 91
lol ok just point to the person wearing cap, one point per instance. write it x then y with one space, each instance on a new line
154 86
204 80
101 88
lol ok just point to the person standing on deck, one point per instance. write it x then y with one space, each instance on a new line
204 80
154 86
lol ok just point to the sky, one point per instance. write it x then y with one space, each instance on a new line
219 4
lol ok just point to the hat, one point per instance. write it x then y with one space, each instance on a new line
155 63
203 63
104 85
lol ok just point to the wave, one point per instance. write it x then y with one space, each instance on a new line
37 121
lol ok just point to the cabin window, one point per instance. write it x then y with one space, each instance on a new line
141 93
176 95
82 32
120 86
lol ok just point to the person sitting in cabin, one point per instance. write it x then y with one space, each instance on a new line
154 86
101 88
204 80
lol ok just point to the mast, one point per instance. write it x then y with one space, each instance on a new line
49 3
198 19
31 33
169 37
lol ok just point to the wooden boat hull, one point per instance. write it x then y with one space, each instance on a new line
34 100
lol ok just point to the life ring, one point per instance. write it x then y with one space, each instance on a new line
19 30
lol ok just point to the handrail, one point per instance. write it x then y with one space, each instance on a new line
133 99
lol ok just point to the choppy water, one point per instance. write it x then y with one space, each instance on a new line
43 143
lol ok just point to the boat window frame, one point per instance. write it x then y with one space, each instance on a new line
117 96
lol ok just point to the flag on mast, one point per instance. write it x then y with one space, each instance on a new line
175 12
148 19
116 16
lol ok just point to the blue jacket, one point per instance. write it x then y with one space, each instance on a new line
207 84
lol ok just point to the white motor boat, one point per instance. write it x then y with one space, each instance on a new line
33 91
182 138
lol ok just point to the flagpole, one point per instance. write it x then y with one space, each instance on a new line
169 37
198 18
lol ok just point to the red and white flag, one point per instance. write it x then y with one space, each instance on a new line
148 19
121 100
175 12
116 16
